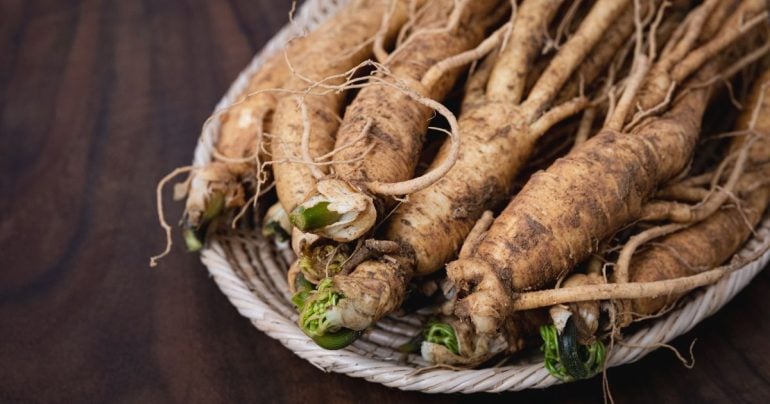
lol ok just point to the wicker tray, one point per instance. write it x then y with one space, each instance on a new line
251 272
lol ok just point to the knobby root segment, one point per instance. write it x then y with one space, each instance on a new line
370 249
567 359
374 289
498 137
439 170
712 233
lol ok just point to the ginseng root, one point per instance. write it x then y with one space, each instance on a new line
559 217
707 243
241 151
499 134
387 125
393 125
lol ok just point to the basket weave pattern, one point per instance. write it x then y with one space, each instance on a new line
251 272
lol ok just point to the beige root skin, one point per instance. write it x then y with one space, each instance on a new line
240 138
559 70
161 216
476 234
683 213
379 40
476 86
682 41
294 179
464 193
631 290
516 146
695 248
560 215
465 58
393 142
505 81
493 132
294 175
461 177
649 296
713 240
601 56
375 288
398 140
719 24
558 218
683 193
752 14
585 127
680 261
242 146
214 178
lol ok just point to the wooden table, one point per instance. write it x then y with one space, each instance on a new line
99 99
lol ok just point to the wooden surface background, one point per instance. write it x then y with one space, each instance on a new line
98 100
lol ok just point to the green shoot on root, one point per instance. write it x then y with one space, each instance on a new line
314 217
304 289
314 317
442 334
567 359
191 240
193 237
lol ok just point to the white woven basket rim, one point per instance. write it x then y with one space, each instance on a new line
247 269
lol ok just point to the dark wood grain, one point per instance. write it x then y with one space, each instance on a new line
98 100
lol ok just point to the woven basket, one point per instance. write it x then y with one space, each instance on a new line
251 272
